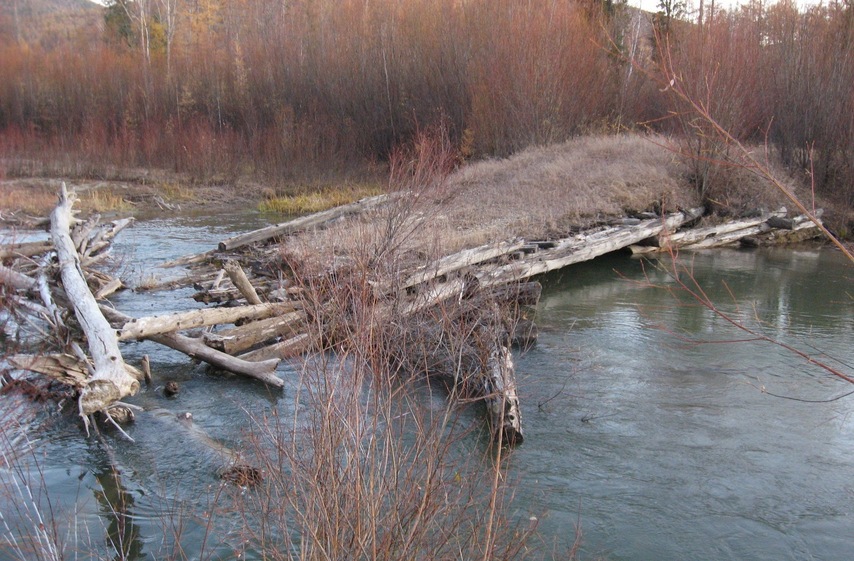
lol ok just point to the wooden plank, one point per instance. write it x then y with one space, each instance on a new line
582 248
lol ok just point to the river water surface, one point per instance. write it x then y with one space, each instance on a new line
650 420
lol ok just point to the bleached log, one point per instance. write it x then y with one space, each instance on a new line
239 339
294 346
189 260
241 281
145 327
710 236
110 380
16 280
195 348
108 289
302 223
502 401
25 249
582 248
65 368
457 261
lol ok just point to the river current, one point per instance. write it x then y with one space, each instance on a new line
653 423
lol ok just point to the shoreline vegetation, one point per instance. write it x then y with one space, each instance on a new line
201 98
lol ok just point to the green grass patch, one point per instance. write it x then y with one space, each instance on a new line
316 201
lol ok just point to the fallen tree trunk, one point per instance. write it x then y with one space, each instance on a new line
109 380
239 339
303 223
16 280
194 348
241 281
145 327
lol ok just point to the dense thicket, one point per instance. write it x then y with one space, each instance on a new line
284 89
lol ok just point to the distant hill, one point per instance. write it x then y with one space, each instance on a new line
48 23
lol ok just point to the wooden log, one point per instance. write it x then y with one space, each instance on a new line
302 223
707 236
195 348
108 289
502 400
65 368
294 346
189 259
582 248
457 261
110 381
16 280
145 327
241 281
25 249
239 339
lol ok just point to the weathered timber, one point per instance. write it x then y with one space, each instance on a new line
709 236
110 380
145 327
239 339
16 280
502 400
241 281
457 261
195 348
24 249
65 368
303 223
108 289
582 248
189 259
294 346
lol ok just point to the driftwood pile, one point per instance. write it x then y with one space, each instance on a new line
260 317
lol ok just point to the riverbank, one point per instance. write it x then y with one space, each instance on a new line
541 192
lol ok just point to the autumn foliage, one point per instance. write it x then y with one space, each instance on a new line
281 90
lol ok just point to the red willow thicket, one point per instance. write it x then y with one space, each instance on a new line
283 90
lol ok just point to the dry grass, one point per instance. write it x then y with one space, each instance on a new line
33 197
538 193
547 192
316 201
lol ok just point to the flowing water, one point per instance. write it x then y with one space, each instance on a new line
651 421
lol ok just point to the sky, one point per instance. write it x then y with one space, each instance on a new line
652 5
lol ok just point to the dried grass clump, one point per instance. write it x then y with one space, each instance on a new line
539 193
543 191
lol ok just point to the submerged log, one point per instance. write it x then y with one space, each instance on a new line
110 380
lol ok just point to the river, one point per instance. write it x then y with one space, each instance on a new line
650 420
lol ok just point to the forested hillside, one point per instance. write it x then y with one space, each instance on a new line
283 90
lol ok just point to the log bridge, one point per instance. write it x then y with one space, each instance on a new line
256 317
